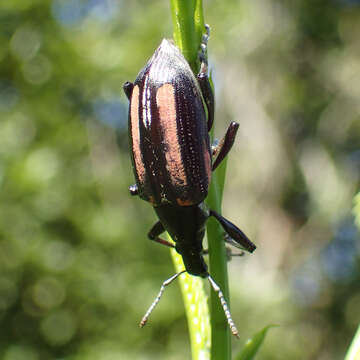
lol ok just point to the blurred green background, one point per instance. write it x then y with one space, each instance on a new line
76 269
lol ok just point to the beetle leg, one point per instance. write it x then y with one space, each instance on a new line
214 147
154 233
208 96
229 240
128 88
225 145
133 190
203 45
203 79
234 232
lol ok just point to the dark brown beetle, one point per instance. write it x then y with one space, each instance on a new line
172 157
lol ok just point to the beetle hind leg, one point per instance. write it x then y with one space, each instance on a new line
154 233
225 145
236 235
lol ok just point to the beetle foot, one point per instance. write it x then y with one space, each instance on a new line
133 190
229 253
203 48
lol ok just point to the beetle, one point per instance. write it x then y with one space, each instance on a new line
170 115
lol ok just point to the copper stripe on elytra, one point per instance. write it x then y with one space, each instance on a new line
135 135
165 100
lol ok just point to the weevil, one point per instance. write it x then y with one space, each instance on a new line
170 115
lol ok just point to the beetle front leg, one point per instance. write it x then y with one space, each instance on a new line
128 88
234 232
208 96
225 145
203 79
154 233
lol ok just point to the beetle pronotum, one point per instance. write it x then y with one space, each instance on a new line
173 160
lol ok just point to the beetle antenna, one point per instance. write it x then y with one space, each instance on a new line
225 306
157 299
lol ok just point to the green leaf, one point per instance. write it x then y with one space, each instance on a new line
253 345
354 349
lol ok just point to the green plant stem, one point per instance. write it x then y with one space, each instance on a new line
188 23
221 336
188 28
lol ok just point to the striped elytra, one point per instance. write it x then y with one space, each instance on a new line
168 132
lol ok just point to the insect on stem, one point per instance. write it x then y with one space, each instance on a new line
157 299
224 305
171 112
